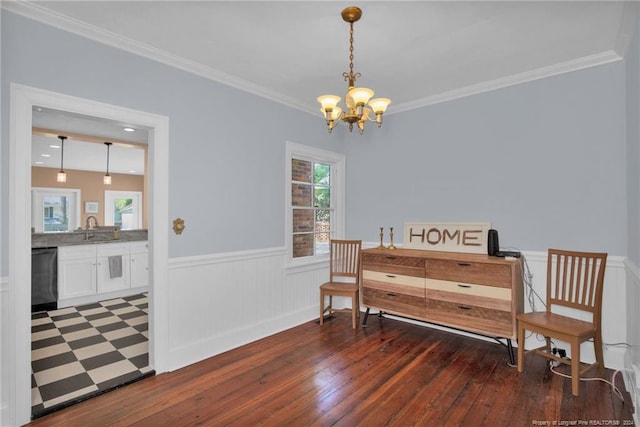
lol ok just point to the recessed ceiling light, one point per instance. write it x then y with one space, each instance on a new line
45 155
132 171
129 129
39 163
54 146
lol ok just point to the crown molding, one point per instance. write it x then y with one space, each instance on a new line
108 38
82 29
512 80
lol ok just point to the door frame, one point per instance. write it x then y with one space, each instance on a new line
18 341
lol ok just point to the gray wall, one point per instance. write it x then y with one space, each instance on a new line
544 162
632 61
226 146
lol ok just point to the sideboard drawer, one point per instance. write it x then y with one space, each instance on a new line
409 266
395 302
470 289
471 317
482 273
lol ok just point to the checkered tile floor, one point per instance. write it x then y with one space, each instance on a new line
78 352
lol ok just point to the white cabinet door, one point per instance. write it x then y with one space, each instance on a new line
76 272
113 267
139 264
139 270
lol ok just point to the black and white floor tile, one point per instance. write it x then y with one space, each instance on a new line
79 352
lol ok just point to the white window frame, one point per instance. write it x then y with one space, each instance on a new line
37 197
337 179
109 198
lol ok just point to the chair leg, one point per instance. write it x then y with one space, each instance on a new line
354 298
597 343
575 368
520 347
321 308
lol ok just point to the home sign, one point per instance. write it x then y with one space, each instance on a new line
468 237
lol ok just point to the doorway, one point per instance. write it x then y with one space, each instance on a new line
18 333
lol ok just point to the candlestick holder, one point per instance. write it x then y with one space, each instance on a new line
381 245
391 246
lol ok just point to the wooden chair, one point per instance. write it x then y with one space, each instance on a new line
344 262
575 281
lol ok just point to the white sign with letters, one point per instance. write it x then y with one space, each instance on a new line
469 237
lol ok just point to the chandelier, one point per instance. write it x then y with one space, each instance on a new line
359 105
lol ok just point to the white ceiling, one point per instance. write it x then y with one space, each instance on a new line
416 53
90 154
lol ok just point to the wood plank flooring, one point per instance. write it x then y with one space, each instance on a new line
390 373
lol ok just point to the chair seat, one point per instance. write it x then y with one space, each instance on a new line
339 287
558 323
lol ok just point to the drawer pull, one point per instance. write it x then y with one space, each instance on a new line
391 257
464 264
391 295
464 307
391 276
464 286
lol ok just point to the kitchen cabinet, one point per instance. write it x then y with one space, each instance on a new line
76 271
139 264
85 274
113 267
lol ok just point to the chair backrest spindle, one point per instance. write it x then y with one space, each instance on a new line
575 280
345 258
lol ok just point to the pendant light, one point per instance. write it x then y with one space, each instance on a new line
62 176
107 177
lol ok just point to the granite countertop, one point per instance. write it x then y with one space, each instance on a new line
79 237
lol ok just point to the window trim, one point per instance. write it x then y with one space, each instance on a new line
109 198
37 196
337 162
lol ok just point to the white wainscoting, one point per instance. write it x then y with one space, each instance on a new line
614 309
220 302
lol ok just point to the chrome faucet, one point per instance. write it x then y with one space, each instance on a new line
86 226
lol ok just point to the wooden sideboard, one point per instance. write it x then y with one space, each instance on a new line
470 292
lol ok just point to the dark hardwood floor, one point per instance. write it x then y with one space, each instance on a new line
390 373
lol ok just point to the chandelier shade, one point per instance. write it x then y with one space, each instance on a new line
357 99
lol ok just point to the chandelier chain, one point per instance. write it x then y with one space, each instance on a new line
351 48
351 76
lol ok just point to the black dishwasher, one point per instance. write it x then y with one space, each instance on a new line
44 279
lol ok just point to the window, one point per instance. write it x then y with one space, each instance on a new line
315 205
55 209
123 209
